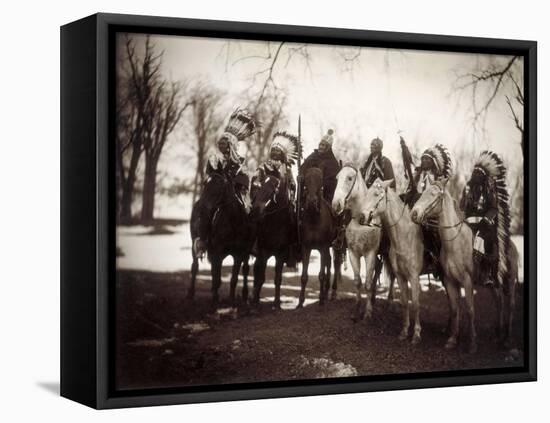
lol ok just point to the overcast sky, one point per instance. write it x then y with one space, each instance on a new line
385 91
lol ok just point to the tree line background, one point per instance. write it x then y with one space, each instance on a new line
155 113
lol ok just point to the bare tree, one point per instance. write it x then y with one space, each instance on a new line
206 122
166 113
490 79
132 116
271 116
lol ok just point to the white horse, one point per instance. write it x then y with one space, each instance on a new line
362 241
406 250
456 255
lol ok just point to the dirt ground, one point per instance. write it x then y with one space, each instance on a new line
165 340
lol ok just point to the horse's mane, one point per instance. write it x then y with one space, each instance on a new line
493 166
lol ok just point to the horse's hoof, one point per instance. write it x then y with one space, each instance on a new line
277 306
403 336
416 340
333 295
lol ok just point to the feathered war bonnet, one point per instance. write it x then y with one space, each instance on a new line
241 125
289 145
441 159
492 166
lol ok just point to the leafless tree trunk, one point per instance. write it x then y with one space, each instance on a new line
204 102
167 113
134 108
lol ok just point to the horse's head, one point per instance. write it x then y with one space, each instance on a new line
266 195
313 189
429 203
346 182
213 192
375 203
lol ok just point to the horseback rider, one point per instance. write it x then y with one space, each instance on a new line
377 165
485 205
226 162
323 158
435 164
283 153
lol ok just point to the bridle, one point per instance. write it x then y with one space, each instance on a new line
391 225
346 198
439 201
273 199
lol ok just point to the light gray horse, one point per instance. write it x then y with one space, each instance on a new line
362 241
406 250
456 255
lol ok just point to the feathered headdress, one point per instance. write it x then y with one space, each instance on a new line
241 125
492 166
441 158
289 144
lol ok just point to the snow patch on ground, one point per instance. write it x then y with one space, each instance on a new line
326 368
172 253
196 327
289 303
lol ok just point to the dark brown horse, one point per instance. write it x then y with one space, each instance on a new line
317 231
221 213
276 231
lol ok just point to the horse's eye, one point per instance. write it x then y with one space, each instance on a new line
375 193
349 178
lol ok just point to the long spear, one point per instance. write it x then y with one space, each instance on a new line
299 197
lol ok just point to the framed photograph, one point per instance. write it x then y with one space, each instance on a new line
257 211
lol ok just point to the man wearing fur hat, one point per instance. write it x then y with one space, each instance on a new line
377 165
323 158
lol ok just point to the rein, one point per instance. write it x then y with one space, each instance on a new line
394 223
274 200
352 185
439 200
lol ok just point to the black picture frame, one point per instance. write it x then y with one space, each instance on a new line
87 210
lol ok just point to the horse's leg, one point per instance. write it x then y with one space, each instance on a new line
327 273
259 276
337 273
499 303
306 252
279 262
453 294
470 309
511 302
246 271
322 274
194 270
370 282
216 278
376 276
404 290
415 300
355 261
237 260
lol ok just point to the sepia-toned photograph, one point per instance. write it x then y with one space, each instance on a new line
291 211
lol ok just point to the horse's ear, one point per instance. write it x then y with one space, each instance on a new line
387 183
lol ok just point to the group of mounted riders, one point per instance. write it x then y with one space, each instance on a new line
272 212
